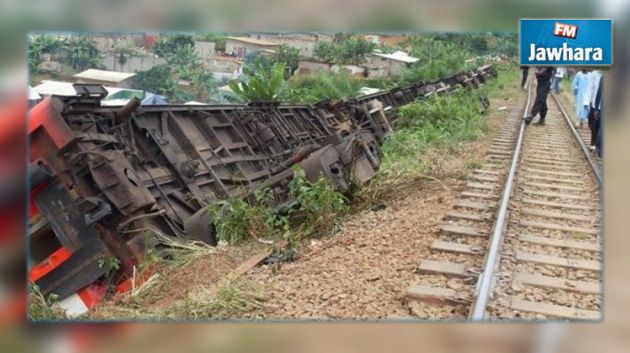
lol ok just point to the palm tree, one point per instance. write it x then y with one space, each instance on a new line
183 56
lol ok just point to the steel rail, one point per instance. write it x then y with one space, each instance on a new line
484 284
594 167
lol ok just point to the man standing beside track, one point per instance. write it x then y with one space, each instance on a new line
543 80
525 74
595 101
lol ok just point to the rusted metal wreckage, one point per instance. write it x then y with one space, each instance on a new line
99 174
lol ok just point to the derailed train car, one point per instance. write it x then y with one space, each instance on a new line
100 175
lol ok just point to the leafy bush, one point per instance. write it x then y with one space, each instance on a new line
236 220
319 204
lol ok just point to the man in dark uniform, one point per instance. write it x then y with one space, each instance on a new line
543 80
525 73
595 118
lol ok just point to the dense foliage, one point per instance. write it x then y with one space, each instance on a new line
350 50
320 86
79 52
167 44
436 59
182 64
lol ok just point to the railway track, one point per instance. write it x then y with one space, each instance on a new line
523 240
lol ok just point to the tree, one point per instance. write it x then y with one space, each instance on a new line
325 51
84 55
157 79
351 50
290 56
437 58
182 63
204 85
182 58
504 44
354 51
262 84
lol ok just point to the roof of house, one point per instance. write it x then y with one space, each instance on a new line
398 56
61 88
254 41
104 75
57 88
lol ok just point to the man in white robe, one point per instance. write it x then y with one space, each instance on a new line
580 87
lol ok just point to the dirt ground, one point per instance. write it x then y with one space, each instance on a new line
363 270
360 272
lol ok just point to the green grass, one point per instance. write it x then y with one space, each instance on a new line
430 123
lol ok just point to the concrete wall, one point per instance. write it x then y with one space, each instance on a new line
306 42
306 46
205 50
383 67
133 64
306 67
221 66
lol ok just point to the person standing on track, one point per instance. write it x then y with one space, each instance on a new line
595 102
580 87
525 74
543 80
557 78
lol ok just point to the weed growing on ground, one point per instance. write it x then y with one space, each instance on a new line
227 301
40 309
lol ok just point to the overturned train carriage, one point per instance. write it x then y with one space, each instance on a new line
101 175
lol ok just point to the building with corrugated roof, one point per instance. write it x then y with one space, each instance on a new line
242 46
